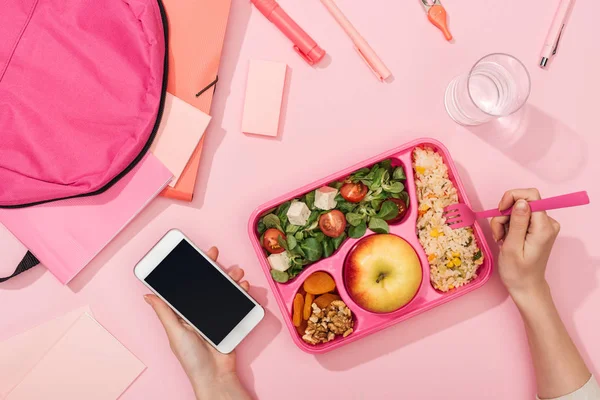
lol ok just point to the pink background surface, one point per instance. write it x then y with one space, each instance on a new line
335 116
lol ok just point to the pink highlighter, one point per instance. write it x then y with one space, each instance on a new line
304 45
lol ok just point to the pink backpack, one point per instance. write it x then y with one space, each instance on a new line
81 90
82 87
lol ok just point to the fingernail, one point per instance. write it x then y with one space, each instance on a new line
521 206
147 299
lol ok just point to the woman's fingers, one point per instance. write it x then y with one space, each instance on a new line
245 285
498 225
236 273
213 253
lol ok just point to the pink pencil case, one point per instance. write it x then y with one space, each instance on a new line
365 322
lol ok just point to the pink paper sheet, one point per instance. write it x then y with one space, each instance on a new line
86 363
66 235
181 129
22 352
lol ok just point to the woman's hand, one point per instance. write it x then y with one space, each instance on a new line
526 241
212 374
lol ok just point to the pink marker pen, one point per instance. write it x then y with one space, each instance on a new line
555 32
303 44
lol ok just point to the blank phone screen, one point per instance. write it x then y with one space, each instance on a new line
193 286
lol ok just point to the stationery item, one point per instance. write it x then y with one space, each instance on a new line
461 215
264 94
79 112
304 45
66 235
555 33
436 13
180 130
20 353
196 35
497 86
361 45
87 362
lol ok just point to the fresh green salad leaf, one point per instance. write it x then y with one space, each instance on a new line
327 248
281 212
299 235
354 219
272 221
291 242
261 227
345 206
394 187
279 276
336 185
399 174
282 242
389 210
358 231
309 199
312 248
291 229
387 165
314 216
337 242
378 225
320 236
404 196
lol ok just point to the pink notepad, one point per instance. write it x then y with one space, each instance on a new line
181 129
87 363
264 95
66 235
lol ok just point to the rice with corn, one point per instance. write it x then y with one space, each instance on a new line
453 254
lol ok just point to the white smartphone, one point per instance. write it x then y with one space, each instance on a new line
199 291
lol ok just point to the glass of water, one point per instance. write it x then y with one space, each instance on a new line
497 86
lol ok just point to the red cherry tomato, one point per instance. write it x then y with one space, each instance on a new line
354 192
271 242
402 210
333 223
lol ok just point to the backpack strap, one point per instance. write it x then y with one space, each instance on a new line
28 262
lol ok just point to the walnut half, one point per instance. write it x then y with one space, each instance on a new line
325 324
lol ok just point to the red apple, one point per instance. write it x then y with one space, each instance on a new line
383 273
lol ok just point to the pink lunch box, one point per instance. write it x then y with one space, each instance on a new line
365 322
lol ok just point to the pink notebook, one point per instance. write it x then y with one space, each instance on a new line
85 362
66 235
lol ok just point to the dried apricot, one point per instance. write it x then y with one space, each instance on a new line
325 300
308 300
319 283
302 328
298 309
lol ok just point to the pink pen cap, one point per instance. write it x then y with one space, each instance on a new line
304 45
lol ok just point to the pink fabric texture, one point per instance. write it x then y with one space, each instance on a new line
80 91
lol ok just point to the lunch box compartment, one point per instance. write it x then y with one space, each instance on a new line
366 322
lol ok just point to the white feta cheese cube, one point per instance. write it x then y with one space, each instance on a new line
298 213
325 198
280 262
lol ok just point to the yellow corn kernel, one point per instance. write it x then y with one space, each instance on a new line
450 287
457 262
435 233
455 254
420 170
431 257
450 264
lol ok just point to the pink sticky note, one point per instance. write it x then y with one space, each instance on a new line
181 128
86 363
264 95
22 352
